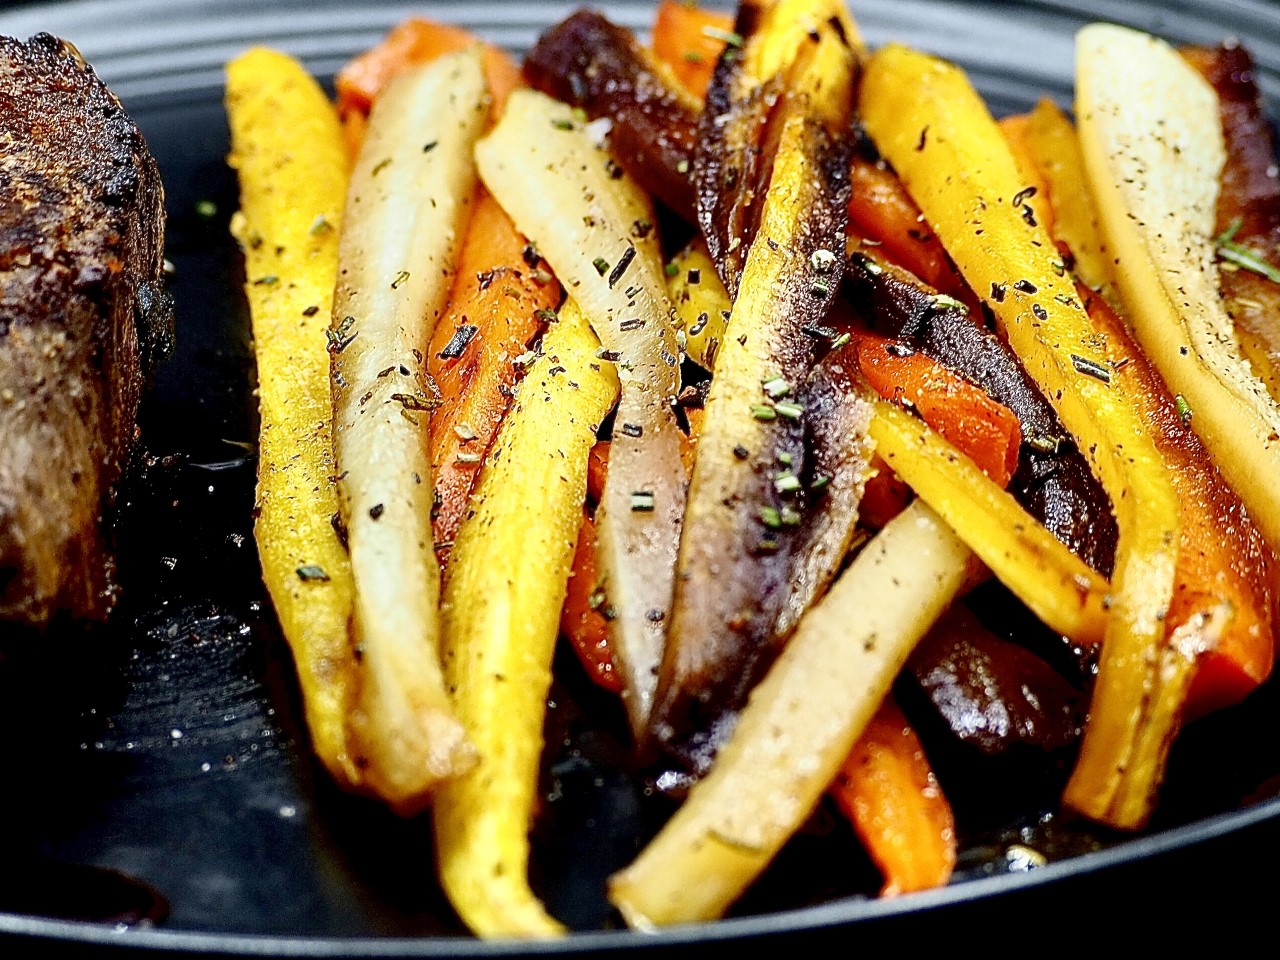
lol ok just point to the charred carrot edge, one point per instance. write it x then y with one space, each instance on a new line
890 794
986 430
478 350
690 40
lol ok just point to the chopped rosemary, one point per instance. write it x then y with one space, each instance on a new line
457 344
671 270
562 124
338 339
776 387
791 517
786 482
642 501
770 517
789 409
1184 410
822 260
620 268
1241 256
601 265
1044 444
762 411
311 572
411 402
941 301
546 315
727 37
1090 368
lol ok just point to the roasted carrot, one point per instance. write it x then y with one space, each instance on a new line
498 294
494 313
881 210
889 793
1224 587
962 412
412 44
583 619
597 470
884 497
689 40
1225 576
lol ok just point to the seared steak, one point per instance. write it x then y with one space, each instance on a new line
82 314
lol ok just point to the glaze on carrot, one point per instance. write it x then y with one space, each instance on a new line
987 431
889 793
881 211
478 351
1224 568
583 618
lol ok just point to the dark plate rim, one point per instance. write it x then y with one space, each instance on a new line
824 916
831 915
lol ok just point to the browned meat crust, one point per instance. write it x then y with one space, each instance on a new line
82 311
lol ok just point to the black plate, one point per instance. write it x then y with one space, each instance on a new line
160 782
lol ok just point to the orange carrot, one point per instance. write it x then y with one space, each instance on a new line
1222 560
690 41
1223 564
582 620
493 315
987 431
412 44
883 497
497 294
889 793
597 470
881 210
